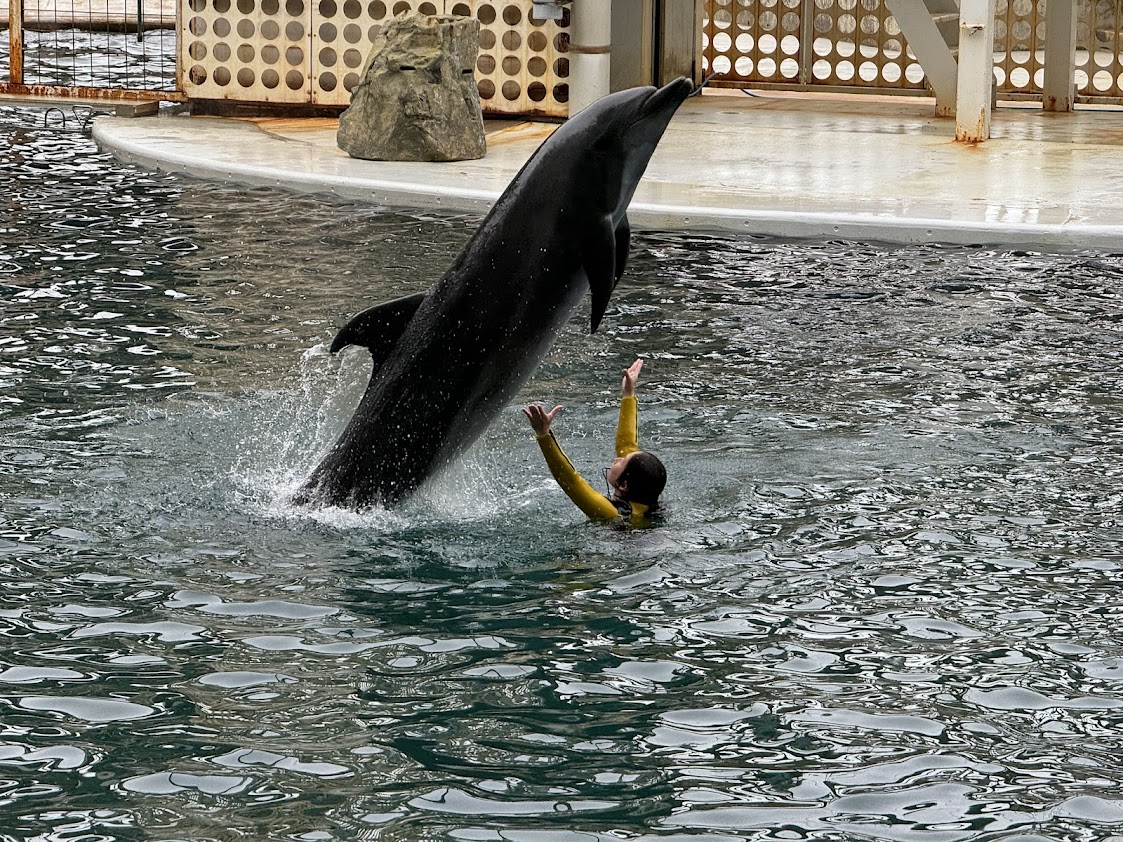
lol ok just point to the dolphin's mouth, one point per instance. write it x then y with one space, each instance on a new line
667 98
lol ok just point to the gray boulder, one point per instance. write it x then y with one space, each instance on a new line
417 99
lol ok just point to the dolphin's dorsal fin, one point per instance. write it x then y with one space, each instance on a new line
379 328
601 263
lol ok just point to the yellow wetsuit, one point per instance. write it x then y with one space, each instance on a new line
587 499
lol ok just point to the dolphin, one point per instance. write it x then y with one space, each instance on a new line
447 361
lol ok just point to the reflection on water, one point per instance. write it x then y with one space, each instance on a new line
884 605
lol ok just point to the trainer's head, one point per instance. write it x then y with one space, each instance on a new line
638 478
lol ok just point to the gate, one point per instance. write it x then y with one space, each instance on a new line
120 50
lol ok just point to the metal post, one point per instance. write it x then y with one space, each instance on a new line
139 21
976 71
15 42
1059 90
590 52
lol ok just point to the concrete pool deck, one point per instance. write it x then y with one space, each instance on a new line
863 168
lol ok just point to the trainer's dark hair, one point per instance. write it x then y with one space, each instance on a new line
645 477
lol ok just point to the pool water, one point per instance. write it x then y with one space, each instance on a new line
885 603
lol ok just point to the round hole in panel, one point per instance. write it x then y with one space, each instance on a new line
868 48
722 65
197 51
1104 58
1021 30
352 9
722 42
294 56
561 42
294 8
197 74
891 72
245 7
197 5
821 69
1081 80
892 48
768 21
352 33
844 48
844 70
486 14
823 23
561 92
270 7
328 57
426 9
246 28
294 30
1039 77
221 76
352 58
846 24
867 71
537 41
789 68
294 80
1019 77
245 77
1102 80
821 46
536 91
512 40
328 32
512 16
376 10
350 81
270 54
246 53
270 30
487 39
564 22
790 22
536 66
486 88
328 9
743 66
401 9
485 64
789 45
270 79
511 66
744 42
462 10
723 18
221 51
328 82
767 43
221 27
372 33
561 68
869 24
745 19
197 27
914 73
221 6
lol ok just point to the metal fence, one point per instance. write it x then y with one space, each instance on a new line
857 45
97 48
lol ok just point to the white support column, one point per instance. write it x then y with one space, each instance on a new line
976 70
1060 56
590 52
930 50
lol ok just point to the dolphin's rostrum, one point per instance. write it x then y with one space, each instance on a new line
448 360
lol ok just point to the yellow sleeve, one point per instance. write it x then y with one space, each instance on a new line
588 500
627 434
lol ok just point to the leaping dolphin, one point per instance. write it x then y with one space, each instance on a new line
447 361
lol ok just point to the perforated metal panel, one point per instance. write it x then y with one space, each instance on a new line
852 43
313 51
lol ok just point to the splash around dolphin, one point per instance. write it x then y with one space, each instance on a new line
449 360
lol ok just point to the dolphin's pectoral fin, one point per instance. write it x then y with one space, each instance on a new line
600 266
623 242
379 328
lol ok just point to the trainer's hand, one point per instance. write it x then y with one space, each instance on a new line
631 376
539 418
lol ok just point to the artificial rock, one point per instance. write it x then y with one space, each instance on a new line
417 99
